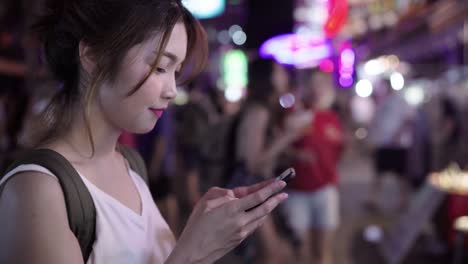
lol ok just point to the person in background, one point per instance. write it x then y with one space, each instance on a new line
158 149
190 121
258 145
420 151
450 136
390 136
313 205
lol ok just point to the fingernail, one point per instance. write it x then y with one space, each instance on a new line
281 184
284 196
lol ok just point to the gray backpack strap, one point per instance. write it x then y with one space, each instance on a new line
136 161
79 203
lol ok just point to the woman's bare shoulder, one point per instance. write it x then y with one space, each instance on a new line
33 209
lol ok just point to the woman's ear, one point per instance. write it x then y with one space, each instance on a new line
87 61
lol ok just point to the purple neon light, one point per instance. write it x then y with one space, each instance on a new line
296 49
346 81
346 69
346 75
348 57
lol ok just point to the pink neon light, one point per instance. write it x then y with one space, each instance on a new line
326 65
296 49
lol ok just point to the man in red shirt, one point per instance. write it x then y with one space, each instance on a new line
313 204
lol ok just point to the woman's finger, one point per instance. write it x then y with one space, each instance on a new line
216 192
215 203
248 229
204 206
265 208
240 192
258 197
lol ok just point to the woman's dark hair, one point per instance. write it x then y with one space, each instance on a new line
260 87
109 28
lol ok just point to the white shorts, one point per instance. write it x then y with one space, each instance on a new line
313 210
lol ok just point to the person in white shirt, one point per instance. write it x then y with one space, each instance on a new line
390 136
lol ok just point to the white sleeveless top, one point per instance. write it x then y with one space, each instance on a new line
122 235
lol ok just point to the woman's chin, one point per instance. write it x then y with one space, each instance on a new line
142 129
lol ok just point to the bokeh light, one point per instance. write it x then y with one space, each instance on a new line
414 95
181 97
204 9
397 81
223 37
239 38
326 65
233 94
374 67
288 100
233 29
364 88
234 65
346 81
361 133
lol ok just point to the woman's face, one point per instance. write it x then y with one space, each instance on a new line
319 91
139 112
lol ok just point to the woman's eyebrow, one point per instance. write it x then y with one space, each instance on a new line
169 55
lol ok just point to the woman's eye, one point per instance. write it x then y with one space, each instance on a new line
160 70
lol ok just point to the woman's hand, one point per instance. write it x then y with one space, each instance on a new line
220 221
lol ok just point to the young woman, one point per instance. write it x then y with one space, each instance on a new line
119 61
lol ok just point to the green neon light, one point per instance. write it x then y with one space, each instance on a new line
234 68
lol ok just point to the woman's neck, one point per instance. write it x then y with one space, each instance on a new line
104 135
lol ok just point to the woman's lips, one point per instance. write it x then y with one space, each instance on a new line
157 112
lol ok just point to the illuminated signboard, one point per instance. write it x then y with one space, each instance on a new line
300 50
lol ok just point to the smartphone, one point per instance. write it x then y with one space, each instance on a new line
284 176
